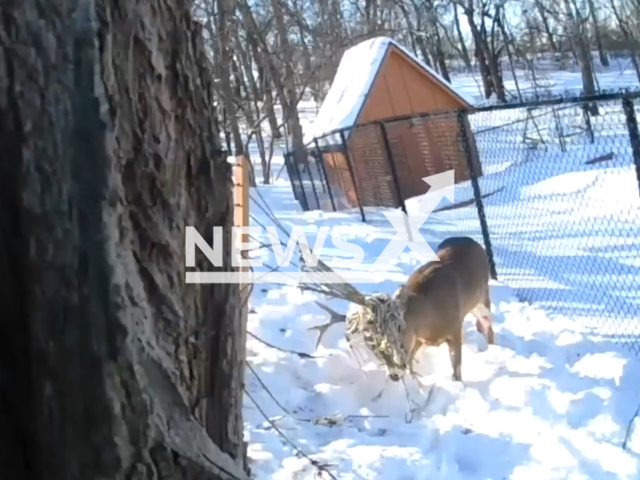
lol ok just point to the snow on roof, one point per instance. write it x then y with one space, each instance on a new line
355 76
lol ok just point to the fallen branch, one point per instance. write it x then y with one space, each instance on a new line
333 420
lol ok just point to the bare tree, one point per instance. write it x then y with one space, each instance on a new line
507 42
287 88
276 50
225 12
604 60
463 48
627 33
543 13
487 55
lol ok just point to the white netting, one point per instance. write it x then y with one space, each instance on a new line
381 324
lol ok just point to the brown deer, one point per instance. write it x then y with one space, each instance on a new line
434 302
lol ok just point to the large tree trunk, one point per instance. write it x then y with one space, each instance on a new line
108 152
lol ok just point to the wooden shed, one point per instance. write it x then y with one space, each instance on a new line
379 80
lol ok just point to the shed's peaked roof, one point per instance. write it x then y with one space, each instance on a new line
355 76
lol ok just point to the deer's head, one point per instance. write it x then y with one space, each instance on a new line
379 319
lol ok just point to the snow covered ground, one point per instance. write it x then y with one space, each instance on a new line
554 398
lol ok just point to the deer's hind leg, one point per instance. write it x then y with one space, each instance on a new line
455 354
484 318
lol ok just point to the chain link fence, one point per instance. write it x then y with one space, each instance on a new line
559 207
550 187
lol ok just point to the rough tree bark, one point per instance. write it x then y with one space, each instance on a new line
108 151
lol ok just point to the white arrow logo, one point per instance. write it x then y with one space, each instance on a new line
442 185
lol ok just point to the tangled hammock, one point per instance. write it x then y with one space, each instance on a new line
379 318
381 323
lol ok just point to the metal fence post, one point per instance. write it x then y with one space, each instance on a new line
559 130
313 184
305 203
324 172
392 166
477 194
323 180
587 120
634 136
290 173
351 172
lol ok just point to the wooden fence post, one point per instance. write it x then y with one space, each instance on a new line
241 185
241 202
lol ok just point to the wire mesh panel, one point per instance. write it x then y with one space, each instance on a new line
319 185
339 179
561 199
403 148
373 175
424 146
